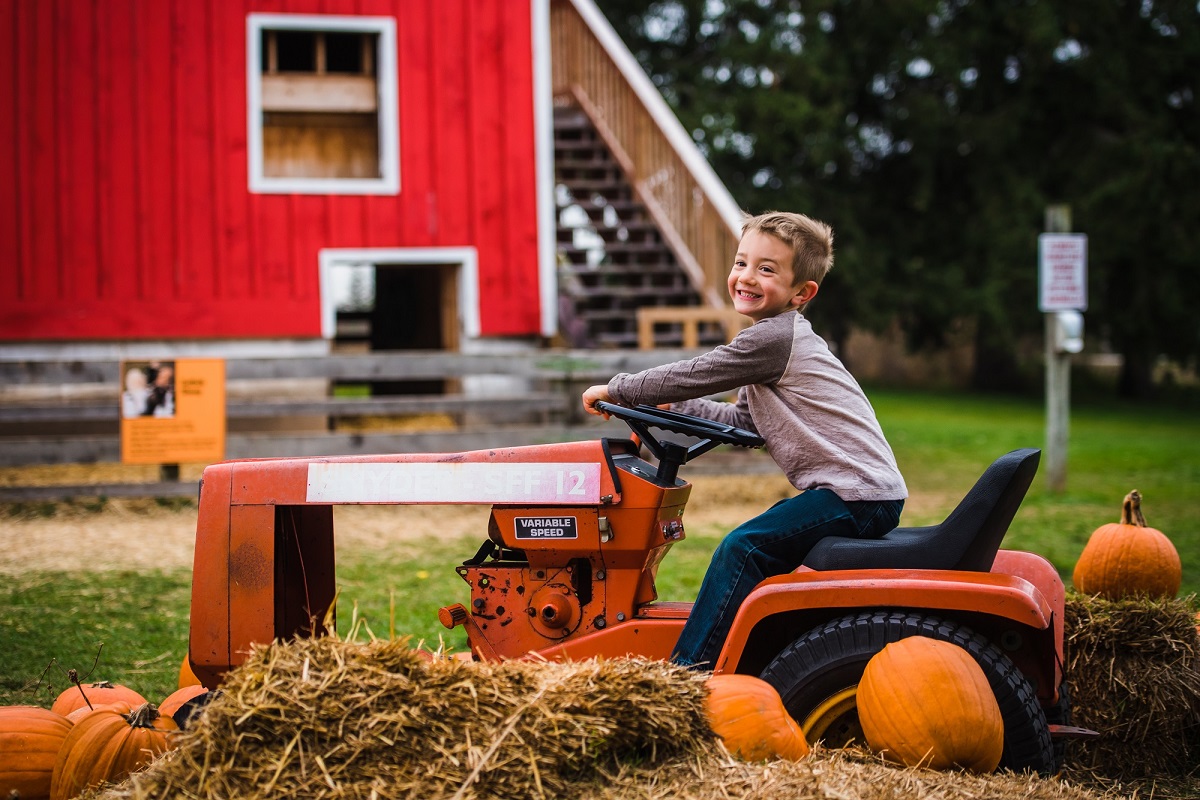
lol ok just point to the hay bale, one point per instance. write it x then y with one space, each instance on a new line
327 718
713 775
1134 671
825 775
330 719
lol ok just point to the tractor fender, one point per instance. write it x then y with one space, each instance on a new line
787 605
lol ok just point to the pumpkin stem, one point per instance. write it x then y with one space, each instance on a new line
143 716
95 661
73 676
1131 510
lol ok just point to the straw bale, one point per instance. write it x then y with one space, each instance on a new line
851 774
330 719
1133 667
712 774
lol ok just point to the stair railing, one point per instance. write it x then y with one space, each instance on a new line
698 218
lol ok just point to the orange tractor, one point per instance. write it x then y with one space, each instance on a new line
567 571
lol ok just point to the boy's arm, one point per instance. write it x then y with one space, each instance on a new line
758 354
736 414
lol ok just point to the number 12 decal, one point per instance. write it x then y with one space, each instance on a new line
577 481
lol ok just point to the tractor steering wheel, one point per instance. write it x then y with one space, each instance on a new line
672 455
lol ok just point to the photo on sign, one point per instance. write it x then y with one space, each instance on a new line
148 389
172 410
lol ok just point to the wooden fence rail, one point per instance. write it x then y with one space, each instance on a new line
93 449
548 364
91 410
547 391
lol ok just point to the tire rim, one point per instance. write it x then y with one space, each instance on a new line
835 719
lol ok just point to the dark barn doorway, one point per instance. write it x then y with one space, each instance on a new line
402 307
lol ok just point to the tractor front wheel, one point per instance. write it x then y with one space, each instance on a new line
817 676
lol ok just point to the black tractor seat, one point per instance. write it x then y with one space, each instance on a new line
967 540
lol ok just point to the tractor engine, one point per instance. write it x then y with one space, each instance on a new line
547 575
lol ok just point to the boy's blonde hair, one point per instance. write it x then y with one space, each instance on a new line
811 242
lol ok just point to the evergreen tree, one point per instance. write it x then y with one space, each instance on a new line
932 135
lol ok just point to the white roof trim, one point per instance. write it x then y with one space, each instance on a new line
662 114
543 133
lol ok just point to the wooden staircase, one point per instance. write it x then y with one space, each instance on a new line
643 222
612 257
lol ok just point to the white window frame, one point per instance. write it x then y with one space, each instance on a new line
386 80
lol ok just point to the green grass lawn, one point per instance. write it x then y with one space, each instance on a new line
53 621
943 442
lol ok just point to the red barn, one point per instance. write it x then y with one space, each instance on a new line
241 170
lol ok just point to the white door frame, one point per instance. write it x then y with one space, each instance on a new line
465 258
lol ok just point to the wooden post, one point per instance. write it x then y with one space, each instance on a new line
1058 379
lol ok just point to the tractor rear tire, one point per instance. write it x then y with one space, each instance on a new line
817 673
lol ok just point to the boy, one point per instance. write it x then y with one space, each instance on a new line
816 421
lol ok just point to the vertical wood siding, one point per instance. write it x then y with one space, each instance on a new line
124 208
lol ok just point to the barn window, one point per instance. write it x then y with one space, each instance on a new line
322 104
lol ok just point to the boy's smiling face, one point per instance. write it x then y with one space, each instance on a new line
762 283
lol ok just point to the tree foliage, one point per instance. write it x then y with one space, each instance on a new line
932 134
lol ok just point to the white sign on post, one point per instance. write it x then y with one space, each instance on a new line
1062 272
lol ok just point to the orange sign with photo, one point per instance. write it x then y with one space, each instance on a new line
173 411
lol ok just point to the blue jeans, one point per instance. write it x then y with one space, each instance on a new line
773 543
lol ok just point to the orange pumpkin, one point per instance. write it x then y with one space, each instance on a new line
97 694
925 702
1127 558
81 712
30 738
187 677
109 744
177 698
749 716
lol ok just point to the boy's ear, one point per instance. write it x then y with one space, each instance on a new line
804 293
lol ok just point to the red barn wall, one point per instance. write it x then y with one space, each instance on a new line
124 207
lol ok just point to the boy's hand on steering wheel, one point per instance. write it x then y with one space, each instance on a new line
593 395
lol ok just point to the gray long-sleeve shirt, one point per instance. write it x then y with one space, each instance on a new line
817 423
